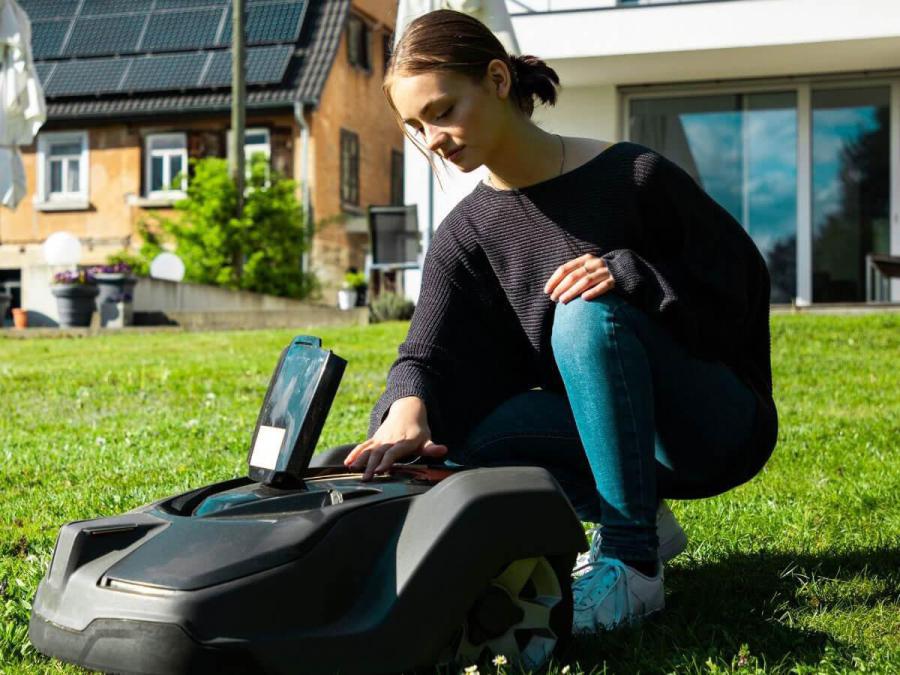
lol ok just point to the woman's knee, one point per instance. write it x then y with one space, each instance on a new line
580 323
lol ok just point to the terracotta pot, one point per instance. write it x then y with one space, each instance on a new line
20 317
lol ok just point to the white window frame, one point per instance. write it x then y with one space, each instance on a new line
150 153
75 199
251 149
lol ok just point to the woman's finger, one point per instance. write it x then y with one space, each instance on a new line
394 453
563 270
567 282
573 291
357 451
375 459
586 282
603 287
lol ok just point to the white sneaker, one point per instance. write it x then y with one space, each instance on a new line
610 593
672 540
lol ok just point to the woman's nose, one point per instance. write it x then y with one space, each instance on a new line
434 139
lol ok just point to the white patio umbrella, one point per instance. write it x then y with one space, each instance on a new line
22 107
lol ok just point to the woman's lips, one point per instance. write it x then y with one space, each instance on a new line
453 155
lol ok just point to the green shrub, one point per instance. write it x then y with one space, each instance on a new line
390 307
261 251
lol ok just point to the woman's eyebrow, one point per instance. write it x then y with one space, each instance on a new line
426 107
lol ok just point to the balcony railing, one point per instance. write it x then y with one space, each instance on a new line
517 7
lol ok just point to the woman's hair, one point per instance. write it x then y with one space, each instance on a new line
450 41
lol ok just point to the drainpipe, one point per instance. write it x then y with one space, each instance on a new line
304 180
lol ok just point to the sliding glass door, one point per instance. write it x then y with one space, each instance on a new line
742 148
850 188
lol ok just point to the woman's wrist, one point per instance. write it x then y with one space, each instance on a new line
408 404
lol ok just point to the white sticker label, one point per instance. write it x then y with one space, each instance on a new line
267 447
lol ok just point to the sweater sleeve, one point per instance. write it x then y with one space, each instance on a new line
446 345
692 265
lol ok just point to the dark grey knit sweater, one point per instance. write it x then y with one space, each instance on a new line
480 332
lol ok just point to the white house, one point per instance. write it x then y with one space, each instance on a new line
787 112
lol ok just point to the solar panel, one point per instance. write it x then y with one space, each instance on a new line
165 72
269 22
100 7
171 31
105 35
47 37
48 9
273 22
43 71
97 76
265 65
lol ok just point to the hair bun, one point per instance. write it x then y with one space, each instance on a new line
532 77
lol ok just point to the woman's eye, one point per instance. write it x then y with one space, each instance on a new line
445 113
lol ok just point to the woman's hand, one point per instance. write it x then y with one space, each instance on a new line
586 275
404 432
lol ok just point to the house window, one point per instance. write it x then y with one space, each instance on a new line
255 140
349 167
358 38
63 166
396 177
166 159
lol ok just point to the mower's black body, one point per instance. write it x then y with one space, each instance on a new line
322 574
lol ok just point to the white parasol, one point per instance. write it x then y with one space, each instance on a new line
22 107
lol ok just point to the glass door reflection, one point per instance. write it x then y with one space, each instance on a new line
742 149
851 188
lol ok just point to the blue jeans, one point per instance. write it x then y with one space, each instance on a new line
641 420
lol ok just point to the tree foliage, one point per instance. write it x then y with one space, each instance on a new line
261 251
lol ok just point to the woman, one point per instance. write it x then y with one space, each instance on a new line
588 308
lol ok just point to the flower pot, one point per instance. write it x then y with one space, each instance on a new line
5 299
116 314
116 291
361 296
115 285
346 298
20 317
75 303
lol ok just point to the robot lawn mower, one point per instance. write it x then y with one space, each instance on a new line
296 568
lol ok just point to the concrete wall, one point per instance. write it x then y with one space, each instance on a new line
169 297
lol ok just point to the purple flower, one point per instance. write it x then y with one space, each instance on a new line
74 277
117 268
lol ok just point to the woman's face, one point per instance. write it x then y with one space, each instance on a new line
462 120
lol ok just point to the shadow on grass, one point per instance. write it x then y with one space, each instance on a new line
713 608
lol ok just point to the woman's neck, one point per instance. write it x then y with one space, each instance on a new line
529 155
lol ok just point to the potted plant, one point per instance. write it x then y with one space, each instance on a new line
357 281
20 317
76 294
116 283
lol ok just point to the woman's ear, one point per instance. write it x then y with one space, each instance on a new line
499 77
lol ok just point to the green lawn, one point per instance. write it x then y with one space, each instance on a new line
797 571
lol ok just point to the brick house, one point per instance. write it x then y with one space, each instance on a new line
135 89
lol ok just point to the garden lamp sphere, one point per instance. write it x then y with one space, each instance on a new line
167 266
62 248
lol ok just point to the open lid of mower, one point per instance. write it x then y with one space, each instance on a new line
293 413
